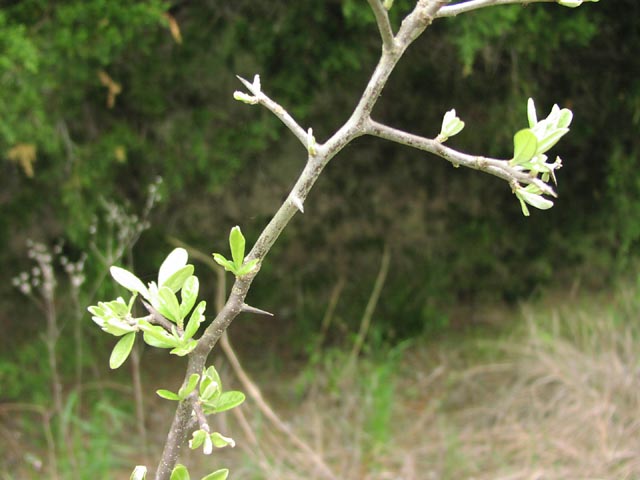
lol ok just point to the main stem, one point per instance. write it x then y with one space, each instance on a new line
412 26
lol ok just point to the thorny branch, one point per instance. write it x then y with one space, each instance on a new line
319 155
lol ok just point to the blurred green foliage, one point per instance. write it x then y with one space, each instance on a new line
100 96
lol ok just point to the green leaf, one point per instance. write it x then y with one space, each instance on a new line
168 305
184 392
210 392
176 260
167 394
210 377
551 139
220 441
221 474
129 281
180 473
531 113
185 348
189 295
534 199
195 320
223 262
156 336
122 350
228 400
197 439
237 244
247 268
139 473
525 145
176 281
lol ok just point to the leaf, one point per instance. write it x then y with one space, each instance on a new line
176 281
129 281
210 392
139 473
228 400
220 441
176 260
525 145
247 268
531 113
221 474
168 305
195 320
551 139
184 349
189 295
180 473
167 394
237 244
223 262
122 350
185 391
197 439
209 376
156 336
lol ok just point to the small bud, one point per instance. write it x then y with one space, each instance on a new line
311 142
451 125
245 98
388 4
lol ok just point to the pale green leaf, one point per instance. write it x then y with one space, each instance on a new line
195 320
167 394
176 260
129 281
176 281
220 441
237 244
221 474
189 295
525 145
139 473
197 439
227 401
185 391
168 304
180 472
122 350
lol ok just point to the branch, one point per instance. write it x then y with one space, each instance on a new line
498 168
382 19
458 8
259 97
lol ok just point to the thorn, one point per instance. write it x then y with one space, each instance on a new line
297 203
249 309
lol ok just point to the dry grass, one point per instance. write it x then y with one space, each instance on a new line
558 400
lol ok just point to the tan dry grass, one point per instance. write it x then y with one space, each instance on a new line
560 401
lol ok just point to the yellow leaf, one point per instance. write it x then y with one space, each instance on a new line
120 153
24 154
113 87
174 28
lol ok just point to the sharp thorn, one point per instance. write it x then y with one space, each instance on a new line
249 309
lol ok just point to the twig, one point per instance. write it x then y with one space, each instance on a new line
276 109
458 8
382 19
498 168
370 308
